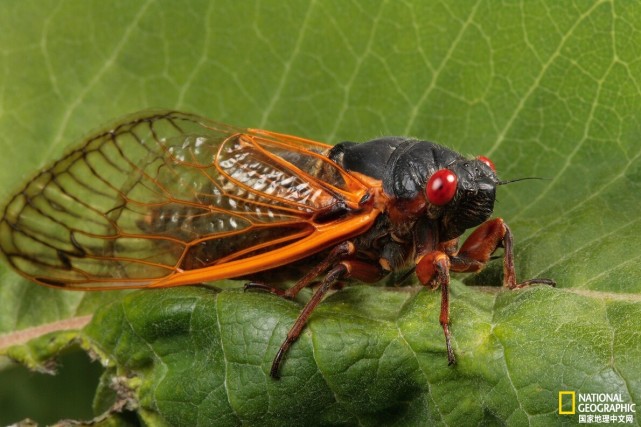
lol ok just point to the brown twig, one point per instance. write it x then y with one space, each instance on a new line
25 335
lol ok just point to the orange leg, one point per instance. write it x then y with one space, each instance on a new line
481 244
363 271
433 269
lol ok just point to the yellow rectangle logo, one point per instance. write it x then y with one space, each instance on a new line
573 397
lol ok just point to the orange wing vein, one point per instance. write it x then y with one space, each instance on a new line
168 198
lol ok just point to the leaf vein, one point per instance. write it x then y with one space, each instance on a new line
284 76
536 83
73 104
437 72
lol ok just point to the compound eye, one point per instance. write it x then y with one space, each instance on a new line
441 187
487 161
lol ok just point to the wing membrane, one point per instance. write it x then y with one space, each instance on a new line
170 198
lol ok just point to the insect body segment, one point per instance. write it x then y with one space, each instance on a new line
167 198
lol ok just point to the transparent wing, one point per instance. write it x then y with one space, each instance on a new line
163 194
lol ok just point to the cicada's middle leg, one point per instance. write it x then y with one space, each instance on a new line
433 269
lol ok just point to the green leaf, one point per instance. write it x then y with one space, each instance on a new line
548 89
368 355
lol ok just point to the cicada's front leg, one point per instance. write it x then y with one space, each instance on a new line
479 247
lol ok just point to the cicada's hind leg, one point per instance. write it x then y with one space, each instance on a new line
260 286
344 269
336 273
340 267
337 253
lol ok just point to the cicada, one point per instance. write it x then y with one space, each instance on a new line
165 199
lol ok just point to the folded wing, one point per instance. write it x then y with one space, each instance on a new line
168 198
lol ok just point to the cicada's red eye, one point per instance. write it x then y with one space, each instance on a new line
487 161
441 187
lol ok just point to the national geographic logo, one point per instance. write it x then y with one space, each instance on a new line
597 408
567 395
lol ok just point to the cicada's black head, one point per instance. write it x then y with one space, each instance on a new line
461 195
458 193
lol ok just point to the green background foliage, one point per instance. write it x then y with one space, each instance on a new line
549 89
